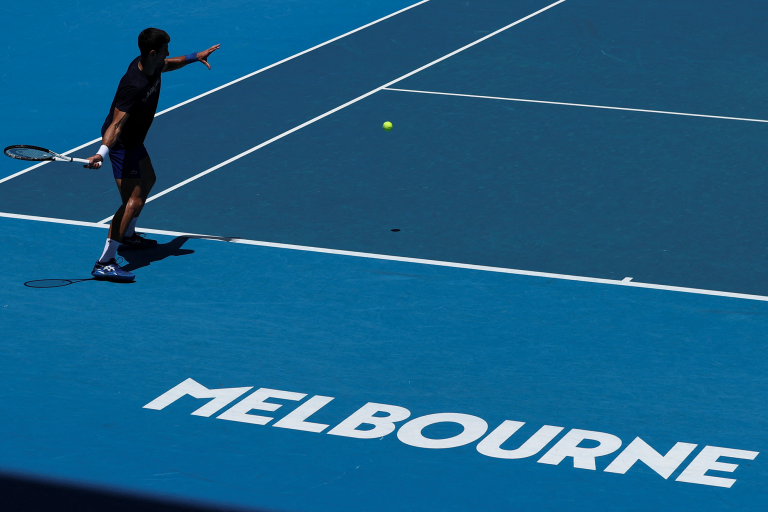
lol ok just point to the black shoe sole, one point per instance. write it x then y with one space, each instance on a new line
113 279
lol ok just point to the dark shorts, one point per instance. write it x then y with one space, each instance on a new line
125 162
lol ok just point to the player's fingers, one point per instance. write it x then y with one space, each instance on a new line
94 162
206 63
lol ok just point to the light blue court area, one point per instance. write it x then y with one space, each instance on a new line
329 340
87 357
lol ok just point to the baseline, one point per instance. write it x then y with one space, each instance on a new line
249 75
575 105
404 259
340 107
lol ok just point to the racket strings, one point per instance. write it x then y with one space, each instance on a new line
28 153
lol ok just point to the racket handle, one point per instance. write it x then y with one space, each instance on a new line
80 160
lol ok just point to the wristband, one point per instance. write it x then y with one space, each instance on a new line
192 57
103 151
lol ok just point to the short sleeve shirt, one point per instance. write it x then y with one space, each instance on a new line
137 95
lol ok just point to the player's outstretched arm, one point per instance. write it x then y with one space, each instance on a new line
110 136
179 62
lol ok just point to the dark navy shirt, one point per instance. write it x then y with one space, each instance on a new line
137 95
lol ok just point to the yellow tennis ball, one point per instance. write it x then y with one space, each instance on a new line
387 126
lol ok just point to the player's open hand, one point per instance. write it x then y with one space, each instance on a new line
94 162
203 56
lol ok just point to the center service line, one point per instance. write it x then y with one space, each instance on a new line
249 75
404 259
299 127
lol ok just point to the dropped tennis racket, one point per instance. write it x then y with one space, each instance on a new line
38 154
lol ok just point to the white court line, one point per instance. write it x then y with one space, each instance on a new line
294 56
52 220
299 127
576 105
615 282
231 83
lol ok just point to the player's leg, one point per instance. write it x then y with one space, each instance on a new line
132 203
133 240
148 178
126 169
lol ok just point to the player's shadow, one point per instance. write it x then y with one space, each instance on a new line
143 258
135 259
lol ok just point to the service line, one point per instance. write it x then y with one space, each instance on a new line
614 282
575 105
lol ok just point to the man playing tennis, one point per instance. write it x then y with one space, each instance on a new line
123 133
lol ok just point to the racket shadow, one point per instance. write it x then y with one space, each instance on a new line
144 257
54 283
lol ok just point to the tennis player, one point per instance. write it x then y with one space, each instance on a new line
122 138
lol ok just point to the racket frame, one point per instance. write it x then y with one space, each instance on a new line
54 157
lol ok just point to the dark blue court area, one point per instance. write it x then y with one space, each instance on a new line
545 289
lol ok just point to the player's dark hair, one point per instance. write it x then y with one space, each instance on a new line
152 39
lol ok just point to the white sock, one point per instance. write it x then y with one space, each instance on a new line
131 227
110 250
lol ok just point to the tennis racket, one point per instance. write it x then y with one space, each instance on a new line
37 154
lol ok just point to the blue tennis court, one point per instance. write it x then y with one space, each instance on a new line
544 289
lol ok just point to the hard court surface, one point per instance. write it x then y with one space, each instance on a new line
565 228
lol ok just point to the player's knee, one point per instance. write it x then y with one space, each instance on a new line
135 203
